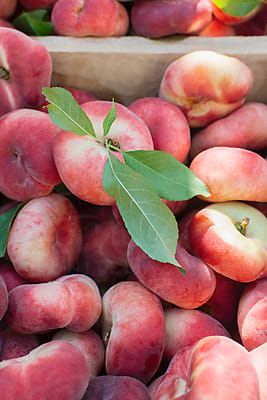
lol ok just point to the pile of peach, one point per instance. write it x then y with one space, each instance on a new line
85 314
149 18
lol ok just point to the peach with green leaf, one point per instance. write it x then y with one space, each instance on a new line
234 14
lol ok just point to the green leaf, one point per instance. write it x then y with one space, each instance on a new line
62 189
34 23
6 220
150 223
109 119
237 8
171 179
66 113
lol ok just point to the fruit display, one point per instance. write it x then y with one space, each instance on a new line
147 18
133 237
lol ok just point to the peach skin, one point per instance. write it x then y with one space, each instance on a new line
252 311
232 173
258 357
7 8
36 4
206 85
133 329
167 124
16 345
3 298
245 128
217 29
231 239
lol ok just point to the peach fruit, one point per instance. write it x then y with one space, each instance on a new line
90 344
22 78
11 278
83 156
167 124
232 173
206 85
16 345
104 252
31 169
133 329
7 8
45 239
216 29
53 371
245 127
116 387
72 301
3 298
159 18
258 357
185 327
228 19
90 18
35 4
252 311
165 280
231 239
216 367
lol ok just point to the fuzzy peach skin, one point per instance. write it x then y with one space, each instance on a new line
72 301
133 329
104 252
232 20
45 239
258 357
252 311
82 156
5 24
217 29
167 124
90 344
159 18
116 387
90 18
185 327
35 4
224 302
245 127
165 280
16 345
27 170
215 239
7 8
3 298
11 278
54 371
206 85
216 367
232 173
22 77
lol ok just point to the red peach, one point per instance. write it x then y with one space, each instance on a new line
167 124
252 311
7 8
188 291
22 78
16 345
71 301
233 20
45 239
185 327
11 278
3 298
258 357
5 24
242 177
53 371
206 85
31 169
116 387
245 127
215 237
84 157
159 18
133 328
90 18
90 344
104 252
213 362
216 29
36 4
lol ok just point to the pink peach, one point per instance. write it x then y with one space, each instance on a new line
16 345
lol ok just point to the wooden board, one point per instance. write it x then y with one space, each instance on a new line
131 67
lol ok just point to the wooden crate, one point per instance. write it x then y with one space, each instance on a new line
131 67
